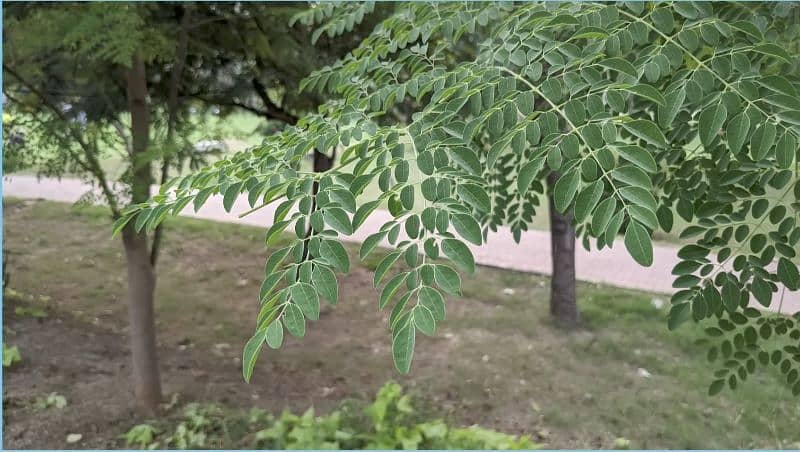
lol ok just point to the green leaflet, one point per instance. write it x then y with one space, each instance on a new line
774 51
587 200
363 212
403 347
678 315
274 335
268 285
230 196
294 321
466 159
306 298
638 244
565 189
384 265
762 140
250 354
369 244
324 281
647 131
528 173
619 65
467 227
433 300
785 150
337 219
423 320
456 251
602 215
762 291
333 252
475 196
788 274
275 231
737 132
647 92
391 287
673 102
447 279
711 121
638 156
632 175
639 196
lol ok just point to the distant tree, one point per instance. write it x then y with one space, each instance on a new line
252 57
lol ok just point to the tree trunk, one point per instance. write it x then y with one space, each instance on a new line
322 162
141 277
141 285
563 305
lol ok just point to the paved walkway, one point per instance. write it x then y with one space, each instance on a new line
609 266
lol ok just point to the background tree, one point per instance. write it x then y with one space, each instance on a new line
255 61
72 73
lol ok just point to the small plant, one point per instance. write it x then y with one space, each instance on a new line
305 432
53 400
388 423
31 311
11 355
142 436
200 422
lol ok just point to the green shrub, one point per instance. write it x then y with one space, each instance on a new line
389 422
142 436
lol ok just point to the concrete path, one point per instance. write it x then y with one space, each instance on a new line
609 266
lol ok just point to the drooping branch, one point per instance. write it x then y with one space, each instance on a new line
273 111
91 165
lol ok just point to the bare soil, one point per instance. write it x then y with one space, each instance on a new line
497 361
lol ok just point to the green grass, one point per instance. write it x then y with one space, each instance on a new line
497 360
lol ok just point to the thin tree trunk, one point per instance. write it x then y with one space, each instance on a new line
141 277
563 305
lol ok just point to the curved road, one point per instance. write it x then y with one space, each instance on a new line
609 266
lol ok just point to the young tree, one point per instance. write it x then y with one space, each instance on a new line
639 109
71 73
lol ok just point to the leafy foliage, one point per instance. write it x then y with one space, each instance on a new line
644 110
390 422
141 436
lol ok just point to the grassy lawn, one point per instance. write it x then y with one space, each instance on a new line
496 361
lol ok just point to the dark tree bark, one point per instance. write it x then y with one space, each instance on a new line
563 305
141 277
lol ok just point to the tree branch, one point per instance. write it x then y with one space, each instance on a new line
273 110
92 165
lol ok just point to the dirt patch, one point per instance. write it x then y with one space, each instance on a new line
496 360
